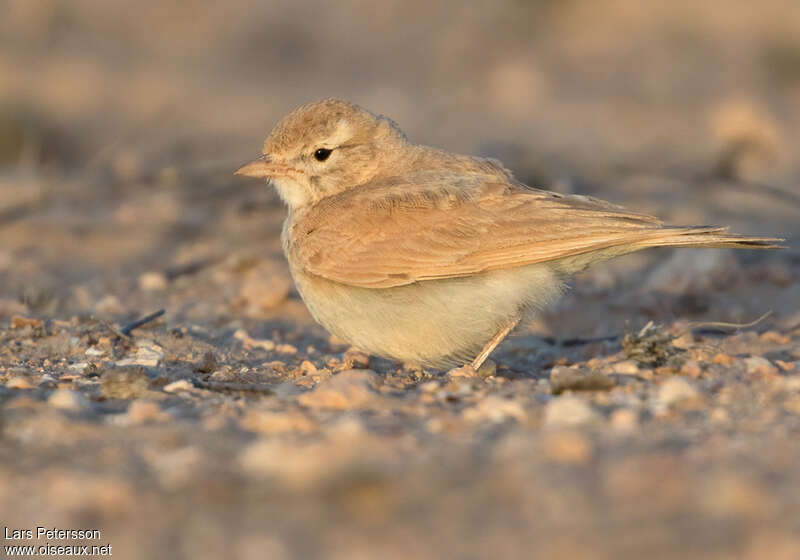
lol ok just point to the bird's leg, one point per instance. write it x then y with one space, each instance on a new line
492 344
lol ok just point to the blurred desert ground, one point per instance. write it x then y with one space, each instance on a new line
121 124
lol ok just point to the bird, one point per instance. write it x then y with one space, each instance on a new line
431 258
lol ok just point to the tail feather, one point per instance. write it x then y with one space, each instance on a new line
707 236
666 236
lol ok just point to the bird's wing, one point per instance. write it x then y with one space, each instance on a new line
429 226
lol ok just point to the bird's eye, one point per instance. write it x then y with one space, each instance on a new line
321 154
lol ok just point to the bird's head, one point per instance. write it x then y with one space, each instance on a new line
325 148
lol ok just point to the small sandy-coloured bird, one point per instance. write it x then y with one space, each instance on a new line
427 257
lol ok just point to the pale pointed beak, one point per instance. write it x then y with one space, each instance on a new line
259 168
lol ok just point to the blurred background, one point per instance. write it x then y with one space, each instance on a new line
121 123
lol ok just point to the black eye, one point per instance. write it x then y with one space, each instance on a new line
321 154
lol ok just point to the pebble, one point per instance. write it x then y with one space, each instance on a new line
760 366
286 349
573 379
178 386
355 359
153 281
568 410
141 411
353 388
626 367
270 422
110 305
692 369
719 415
66 399
20 322
308 368
48 382
429 387
676 390
148 354
124 383
495 409
463 371
624 420
250 343
684 342
723 360
19 383
775 337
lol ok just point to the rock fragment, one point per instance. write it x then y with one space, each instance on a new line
568 410
353 388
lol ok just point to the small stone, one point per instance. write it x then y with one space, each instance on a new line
48 382
251 343
624 420
463 371
353 388
141 411
94 352
760 366
286 349
626 367
307 368
495 409
65 399
80 367
124 382
20 322
276 422
775 337
573 379
676 390
429 387
572 448
355 359
109 305
148 354
723 360
568 410
19 382
785 366
719 416
153 281
684 341
178 386
692 369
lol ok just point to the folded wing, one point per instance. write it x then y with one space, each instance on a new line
431 225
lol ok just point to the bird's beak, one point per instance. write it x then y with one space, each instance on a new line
261 168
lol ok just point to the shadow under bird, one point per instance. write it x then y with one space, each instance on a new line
428 257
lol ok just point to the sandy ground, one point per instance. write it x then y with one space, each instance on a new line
633 419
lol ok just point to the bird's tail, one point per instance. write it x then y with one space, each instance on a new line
665 236
706 236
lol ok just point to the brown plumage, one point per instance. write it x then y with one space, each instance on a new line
421 255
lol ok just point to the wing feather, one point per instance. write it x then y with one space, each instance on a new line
427 226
